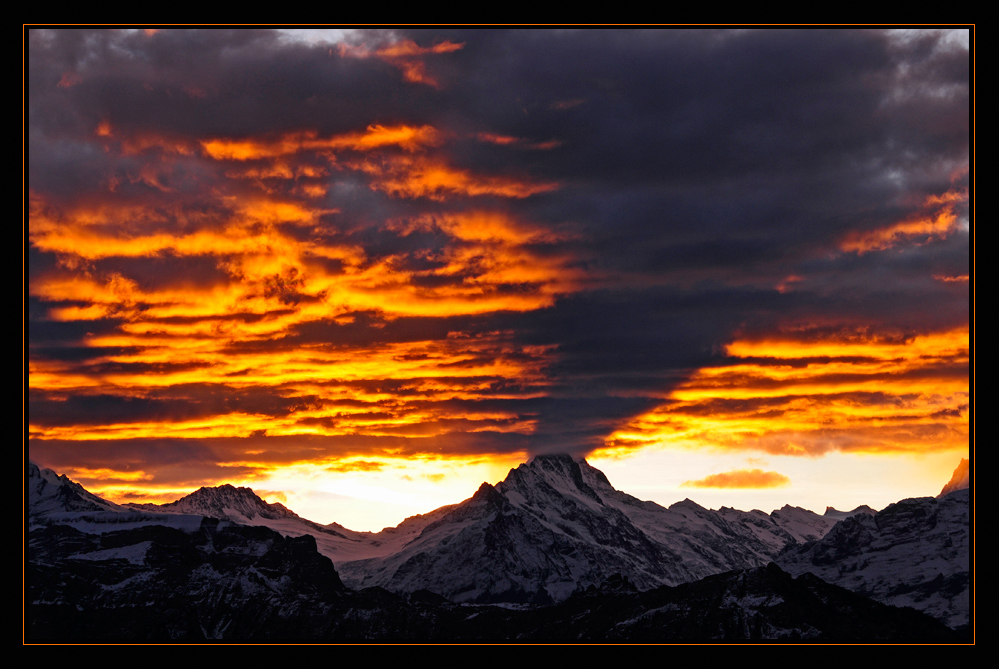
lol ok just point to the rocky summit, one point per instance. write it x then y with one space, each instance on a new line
556 525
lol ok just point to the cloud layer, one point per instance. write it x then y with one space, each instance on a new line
246 251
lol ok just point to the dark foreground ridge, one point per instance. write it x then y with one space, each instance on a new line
226 581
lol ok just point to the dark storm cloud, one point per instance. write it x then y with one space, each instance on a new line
192 461
690 146
642 332
697 170
125 454
205 83
177 403
168 271
80 353
688 108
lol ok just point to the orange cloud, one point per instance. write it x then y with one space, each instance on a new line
355 465
405 55
292 156
740 478
506 140
339 393
82 473
409 138
421 177
275 334
278 282
493 138
280 273
795 396
939 222
408 48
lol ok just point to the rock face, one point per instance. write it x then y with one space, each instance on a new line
556 525
765 603
156 582
913 553
232 582
959 481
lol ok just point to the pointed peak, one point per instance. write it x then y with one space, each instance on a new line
555 473
548 466
485 491
960 480
687 504
787 508
549 460
50 492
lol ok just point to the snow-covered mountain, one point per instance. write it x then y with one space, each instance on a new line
243 506
50 493
56 500
225 502
556 525
915 553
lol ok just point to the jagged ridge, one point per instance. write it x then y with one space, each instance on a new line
555 525
225 502
915 552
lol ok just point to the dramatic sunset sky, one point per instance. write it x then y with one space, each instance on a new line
362 272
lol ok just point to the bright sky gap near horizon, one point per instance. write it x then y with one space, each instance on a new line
362 272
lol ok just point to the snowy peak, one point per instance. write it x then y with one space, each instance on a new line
553 479
225 502
555 525
561 472
50 493
687 503
959 481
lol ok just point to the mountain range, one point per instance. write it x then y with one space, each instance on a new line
553 526
553 534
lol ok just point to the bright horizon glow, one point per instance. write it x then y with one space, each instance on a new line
369 501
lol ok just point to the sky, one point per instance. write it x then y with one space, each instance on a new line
362 272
